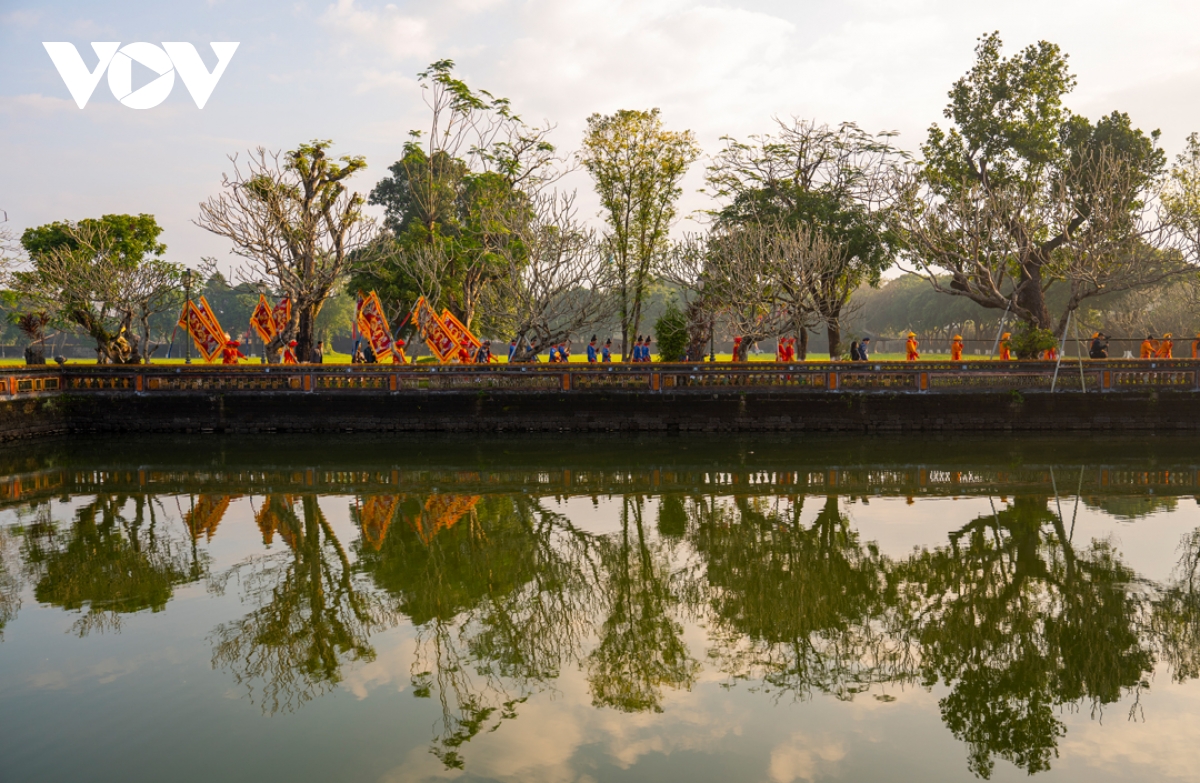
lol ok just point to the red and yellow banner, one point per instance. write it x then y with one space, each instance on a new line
434 332
201 325
461 334
268 322
372 323
262 322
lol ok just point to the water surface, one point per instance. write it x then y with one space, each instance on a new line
615 608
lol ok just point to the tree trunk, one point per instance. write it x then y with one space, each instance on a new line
1031 298
304 334
802 354
834 331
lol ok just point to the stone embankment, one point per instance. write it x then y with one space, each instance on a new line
885 397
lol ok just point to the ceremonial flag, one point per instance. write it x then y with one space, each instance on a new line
372 322
209 339
210 315
434 332
282 314
262 322
460 333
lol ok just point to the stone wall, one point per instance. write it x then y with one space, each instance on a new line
725 411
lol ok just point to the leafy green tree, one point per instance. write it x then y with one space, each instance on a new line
1019 195
637 166
451 199
105 277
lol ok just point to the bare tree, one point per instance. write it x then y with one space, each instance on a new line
557 281
293 219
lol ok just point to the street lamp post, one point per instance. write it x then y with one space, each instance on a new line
187 295
262 357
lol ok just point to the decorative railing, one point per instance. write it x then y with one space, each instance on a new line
931 377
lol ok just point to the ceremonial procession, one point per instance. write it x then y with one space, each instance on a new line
578 391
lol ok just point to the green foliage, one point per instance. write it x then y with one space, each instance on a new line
451 199
637 166
671 331
132 238
1029 341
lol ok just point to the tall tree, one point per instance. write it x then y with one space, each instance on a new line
103 276
1019 194
292 217
833 181
637 166
450 197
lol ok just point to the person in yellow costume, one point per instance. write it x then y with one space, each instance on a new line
1050 354
1165 348
1149 347
910 348
1005 347
956 346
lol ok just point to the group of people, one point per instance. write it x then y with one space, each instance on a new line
231 352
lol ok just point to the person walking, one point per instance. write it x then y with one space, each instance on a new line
1149 347
646 350
606 352
591 350
512 349
1006 347
864 349
956 348
1099 347
910 348
319 354
1165 348
854 355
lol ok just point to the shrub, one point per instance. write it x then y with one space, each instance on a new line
671 330
1028 341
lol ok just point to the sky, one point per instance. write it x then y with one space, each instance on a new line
346 71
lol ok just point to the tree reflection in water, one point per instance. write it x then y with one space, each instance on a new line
310 615
499 596
105 564
1011 617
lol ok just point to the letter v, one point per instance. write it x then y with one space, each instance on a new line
79 80
199 82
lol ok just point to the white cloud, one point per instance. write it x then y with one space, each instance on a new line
804 758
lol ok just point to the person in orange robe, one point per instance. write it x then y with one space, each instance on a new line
910 348
1050 355
1165 348
790 348
230 353
956 346
1149 347
781 350
289 353
1005 348
737 347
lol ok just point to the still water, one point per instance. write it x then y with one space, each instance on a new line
566 608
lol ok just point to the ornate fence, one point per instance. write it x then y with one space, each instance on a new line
1118 375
